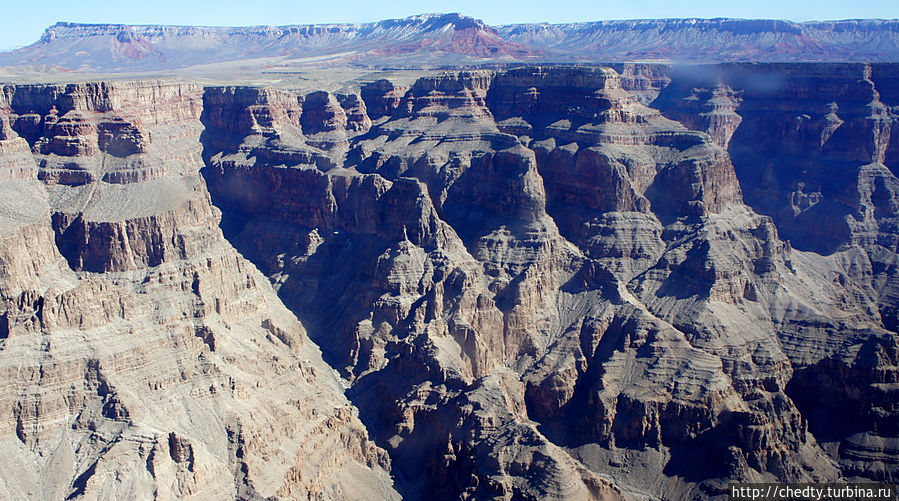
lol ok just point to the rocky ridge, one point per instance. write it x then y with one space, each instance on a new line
712 40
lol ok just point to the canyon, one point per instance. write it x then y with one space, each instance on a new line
538 281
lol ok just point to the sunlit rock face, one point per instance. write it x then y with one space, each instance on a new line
546 282
142 354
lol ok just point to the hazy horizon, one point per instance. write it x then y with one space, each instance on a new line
25 26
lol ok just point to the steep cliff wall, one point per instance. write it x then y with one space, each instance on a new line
394 294
810 145
544 229
142 355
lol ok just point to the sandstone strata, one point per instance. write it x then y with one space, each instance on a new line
143 356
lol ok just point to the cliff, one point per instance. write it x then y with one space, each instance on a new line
430 38
643 308
142 354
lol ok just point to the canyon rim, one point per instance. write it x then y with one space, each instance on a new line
429 258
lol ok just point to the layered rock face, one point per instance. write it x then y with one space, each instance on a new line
810 145
365 248
809 142
117 48
716 40
541 283
542 239
142 355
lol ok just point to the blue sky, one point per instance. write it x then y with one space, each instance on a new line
24 22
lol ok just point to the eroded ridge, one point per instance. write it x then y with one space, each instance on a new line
142 355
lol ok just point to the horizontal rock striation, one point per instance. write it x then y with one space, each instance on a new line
716 40
142 355
644 310
385 263
810 147
116 48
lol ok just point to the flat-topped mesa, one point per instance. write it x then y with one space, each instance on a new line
82 133
124 48
459 95
711 40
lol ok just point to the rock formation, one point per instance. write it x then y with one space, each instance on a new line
545 282
143 356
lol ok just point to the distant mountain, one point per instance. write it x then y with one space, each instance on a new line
717 40
114 47
437 39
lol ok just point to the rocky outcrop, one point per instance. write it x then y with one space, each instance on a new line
438 38
410 315
16 161
818 134
810 151
80 133
142 355
643 80
600 150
